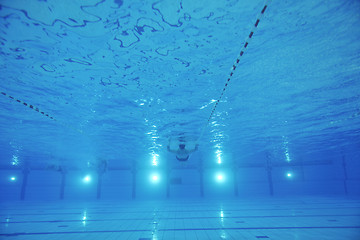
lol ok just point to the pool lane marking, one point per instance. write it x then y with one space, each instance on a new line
172 218
175 229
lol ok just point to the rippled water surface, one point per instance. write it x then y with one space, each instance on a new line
117 79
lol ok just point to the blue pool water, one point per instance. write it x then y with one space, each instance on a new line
97 98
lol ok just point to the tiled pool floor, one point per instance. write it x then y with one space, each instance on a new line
276 218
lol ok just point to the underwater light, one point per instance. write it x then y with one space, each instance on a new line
220 177
154 178
289 174
12 178
87 179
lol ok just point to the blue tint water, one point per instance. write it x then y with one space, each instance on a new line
96 98
111 82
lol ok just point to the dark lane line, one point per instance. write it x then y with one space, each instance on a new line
183 218
177 229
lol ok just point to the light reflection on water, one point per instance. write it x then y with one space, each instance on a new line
84 218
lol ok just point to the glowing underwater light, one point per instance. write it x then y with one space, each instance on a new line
87 179
220 177
154 178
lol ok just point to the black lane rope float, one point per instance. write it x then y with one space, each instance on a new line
28 105
236 63
39 111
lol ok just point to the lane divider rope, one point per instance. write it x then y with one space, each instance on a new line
29 106
236 63
41 112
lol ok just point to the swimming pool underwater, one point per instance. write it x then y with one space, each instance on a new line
179 119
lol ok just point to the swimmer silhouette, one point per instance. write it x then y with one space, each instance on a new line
182 150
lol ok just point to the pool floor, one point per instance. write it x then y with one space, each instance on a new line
260 218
